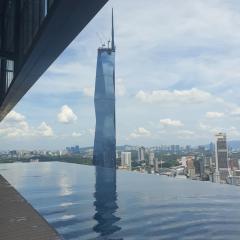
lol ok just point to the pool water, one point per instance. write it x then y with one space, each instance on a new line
84 202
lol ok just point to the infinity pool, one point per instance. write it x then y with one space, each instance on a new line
82 202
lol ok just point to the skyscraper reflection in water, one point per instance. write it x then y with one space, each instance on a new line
104 153
106 203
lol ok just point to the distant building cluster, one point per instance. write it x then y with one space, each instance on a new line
215 162
73 150
16 155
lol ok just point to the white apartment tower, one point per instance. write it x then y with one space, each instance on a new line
126 160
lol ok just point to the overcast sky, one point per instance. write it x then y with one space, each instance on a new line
177 79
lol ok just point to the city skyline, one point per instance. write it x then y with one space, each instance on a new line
178 84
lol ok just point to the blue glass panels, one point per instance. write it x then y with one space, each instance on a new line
105 134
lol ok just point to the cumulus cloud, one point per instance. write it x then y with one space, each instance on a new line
233 132
15 117
76 134
66 115
15 125
235 111
214 114
91 131
45 130
120 88
192 96
169 122
140 132
185 134
88 91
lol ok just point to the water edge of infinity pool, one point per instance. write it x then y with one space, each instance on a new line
84 202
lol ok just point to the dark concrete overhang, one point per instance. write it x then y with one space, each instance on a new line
66 19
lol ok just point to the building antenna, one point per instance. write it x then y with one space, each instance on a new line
113 42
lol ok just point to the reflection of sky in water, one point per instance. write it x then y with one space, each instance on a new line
84 203
65 186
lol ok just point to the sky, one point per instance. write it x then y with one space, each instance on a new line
177 79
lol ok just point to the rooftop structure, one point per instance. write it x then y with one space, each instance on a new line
32 35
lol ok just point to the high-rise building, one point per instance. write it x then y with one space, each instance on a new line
221 157
151 158
156 167
141 154
105 134
126 160
191 171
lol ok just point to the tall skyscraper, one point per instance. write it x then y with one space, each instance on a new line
141 154
126 160
151 158
221 157
105 134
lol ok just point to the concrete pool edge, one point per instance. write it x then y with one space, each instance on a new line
18 219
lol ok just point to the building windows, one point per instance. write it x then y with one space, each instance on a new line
9 73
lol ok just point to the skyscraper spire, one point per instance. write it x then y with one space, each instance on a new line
113 43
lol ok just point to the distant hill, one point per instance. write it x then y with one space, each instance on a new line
234 144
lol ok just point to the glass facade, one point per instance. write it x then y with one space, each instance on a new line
104 153
105 133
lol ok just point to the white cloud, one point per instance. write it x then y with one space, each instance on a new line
91 131
45 130
15 116
15 125
88 91
235 111
170 122
192 96
185 134
76 134
212 130
214 114
66 115
203 126
120 88
140 132
233 132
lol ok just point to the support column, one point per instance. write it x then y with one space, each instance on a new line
2 79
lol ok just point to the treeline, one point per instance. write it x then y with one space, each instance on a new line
70 159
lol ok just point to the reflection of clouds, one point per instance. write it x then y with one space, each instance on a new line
65 186
66 204
46 168
14 173
66 217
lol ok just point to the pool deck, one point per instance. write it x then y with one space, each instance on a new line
19 220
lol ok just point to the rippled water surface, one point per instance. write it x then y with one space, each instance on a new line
82 202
